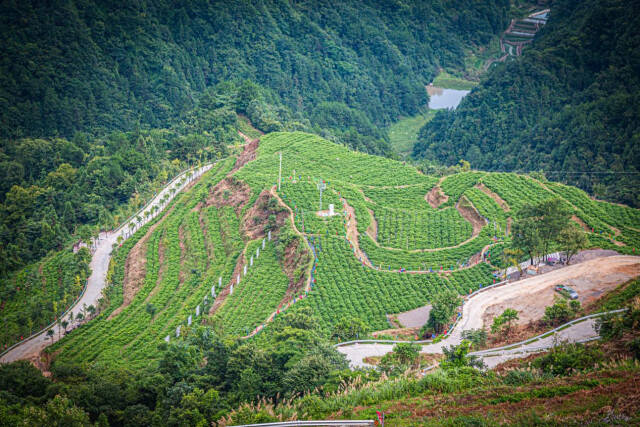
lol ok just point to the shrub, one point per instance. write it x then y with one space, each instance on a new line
568 358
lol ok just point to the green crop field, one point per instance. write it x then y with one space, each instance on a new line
402 254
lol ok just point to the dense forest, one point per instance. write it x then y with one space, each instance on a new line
53 188
568 106
83 65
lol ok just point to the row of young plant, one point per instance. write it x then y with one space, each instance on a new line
447 259
345 287
421 230
309 155
489 209
303 199
37 295
256 296
410 197
516 190
603 216
135 330
455 185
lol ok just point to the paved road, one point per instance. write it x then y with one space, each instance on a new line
31 348
578 332
574 333
475 307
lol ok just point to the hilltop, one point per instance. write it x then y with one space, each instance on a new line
242 287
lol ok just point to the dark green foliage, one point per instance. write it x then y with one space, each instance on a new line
349 328
456 357
477 337
560 312
89 65
568 105
403 357
568 358
442 310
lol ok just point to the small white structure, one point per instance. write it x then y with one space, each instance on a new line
197 311
213 291
263 243
251 261
245 270
231 290
178 331
331 211
167 338
189 320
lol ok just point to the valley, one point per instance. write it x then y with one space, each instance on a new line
319 213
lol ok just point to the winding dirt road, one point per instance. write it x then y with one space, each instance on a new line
609 271
31 348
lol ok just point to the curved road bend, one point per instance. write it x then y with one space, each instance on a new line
475 307
32 347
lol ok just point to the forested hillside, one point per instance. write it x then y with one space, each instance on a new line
98 66
569 105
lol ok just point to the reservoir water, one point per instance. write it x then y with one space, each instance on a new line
444 98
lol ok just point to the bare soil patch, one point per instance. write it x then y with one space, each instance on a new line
436 197
257 216
296 258
469 212
229 192
248 154
135 268
580 223
494 196
591 279
398 333
372 229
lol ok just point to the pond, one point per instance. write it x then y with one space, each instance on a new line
444 98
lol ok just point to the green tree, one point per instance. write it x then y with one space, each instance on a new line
525 237
443 307
572 240
458 357
349 328
504 320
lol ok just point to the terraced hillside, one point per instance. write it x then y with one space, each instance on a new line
235 251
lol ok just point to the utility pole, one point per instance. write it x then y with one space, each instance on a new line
280 172
321 187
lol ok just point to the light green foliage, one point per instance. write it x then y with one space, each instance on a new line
424 260
33 297
488 208
421 230
310 155
503 321
410 197
344 287
404 133
455 185
174 288
257 295
303 197
516 190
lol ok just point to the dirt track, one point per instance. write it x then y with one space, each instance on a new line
590 279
